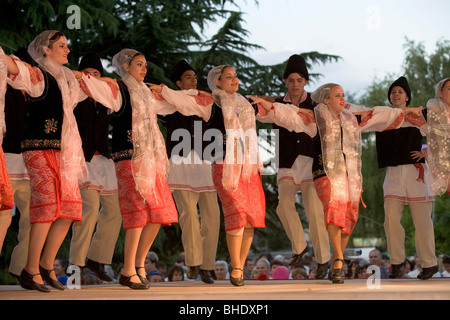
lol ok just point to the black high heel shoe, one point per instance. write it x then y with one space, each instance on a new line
335 275
26 282
45 274
143 279
125 281
238 282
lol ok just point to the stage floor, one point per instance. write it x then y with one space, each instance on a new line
356 289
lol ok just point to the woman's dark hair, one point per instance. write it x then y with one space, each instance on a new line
173 269
137 54
63 261
55 38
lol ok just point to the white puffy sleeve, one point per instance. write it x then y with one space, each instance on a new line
419 122
187 102
290 117
29 79
378 118
103 92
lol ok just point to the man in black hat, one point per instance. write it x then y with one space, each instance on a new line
295 174
191 183
406 182
87 248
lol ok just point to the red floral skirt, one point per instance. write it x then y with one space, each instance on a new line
47 203
136 211
6 190
342 214
245 205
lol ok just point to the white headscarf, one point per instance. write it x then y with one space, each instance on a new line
438 138
242 150
341 148
149 152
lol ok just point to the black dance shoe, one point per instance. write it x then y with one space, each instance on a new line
394 273
192 273
125 281
335 275
26 282
321 270
297 258
143 279
427 273
205 276
238 282
45 274
98 269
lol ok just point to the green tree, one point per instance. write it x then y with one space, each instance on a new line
21 22
423 70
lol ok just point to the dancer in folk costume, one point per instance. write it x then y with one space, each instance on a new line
16 109
337 163
236 166
237 163
52 148
6 190
406 182
295 156
141 160
438 138
191 183
89 248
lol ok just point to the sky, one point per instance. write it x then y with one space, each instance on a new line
369 35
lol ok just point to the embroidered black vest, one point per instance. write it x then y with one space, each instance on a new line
45 118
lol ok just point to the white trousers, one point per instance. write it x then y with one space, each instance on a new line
290 219
424 231
98 246
200 235
19 255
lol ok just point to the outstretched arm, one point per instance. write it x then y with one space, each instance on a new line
287 116
187 102
11 66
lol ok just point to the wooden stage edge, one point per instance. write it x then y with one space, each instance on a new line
254 290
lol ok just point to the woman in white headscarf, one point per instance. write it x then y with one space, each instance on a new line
337 164
236 166
52 148
438 138
139 153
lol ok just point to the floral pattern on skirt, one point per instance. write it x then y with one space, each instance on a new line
338 213
245 205
136 212
6 190
46 203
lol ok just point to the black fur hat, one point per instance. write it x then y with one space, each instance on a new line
91 60
400 82
178 70
296 64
